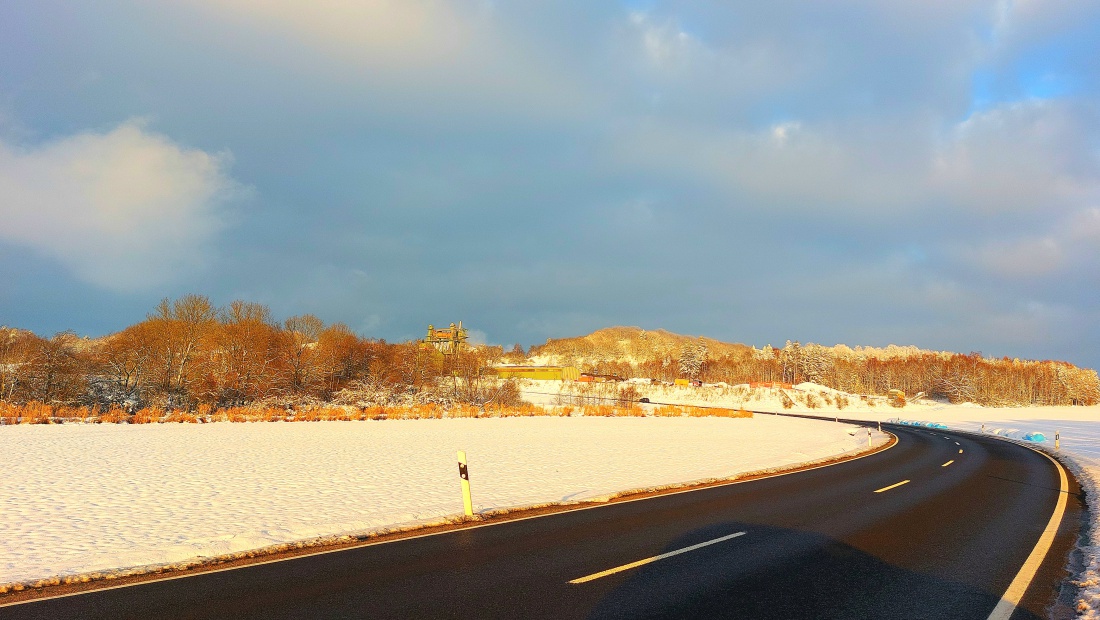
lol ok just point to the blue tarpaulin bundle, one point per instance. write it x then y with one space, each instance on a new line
936 425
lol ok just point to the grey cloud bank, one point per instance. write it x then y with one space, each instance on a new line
856 172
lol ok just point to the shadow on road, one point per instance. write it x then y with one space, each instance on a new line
778 573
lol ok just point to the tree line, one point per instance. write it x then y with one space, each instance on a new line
189 352
955 377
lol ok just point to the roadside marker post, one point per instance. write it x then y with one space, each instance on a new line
464 474
1057 440
868 436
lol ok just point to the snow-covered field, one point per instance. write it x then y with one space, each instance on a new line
83 498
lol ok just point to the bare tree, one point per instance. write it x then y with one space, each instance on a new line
299 350
52 371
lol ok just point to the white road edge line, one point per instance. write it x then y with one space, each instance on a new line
619 569
1011 598
892 486
443 532
948 463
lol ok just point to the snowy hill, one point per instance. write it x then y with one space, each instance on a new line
625 344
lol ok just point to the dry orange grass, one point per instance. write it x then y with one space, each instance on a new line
181 417
612 411
723 413
114 416
700 412
36 413
9 414
148 415
76 413
39 413
668 411
523 411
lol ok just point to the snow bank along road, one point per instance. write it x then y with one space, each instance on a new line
937 526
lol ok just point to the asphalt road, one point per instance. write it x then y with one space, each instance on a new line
815 544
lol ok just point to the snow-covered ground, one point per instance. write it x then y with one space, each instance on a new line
81 498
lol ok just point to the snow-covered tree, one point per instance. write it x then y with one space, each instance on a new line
693 359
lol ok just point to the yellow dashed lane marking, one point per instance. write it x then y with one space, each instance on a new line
619 569
892 486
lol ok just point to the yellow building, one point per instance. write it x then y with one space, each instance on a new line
544 373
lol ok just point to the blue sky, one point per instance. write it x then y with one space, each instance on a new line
851 172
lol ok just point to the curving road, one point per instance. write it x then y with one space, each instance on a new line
843 541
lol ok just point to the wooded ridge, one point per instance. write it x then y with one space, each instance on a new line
189 353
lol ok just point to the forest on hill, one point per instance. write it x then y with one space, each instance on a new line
189 353
634 352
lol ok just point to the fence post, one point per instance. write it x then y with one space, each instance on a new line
464 474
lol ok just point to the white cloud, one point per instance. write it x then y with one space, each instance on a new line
1084 226
1066 245
663 43
125 210
477 337
1021 258
415 56
1019 157
1018 22
782 131
397 33
1027 157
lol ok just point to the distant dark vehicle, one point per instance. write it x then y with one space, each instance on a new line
643 400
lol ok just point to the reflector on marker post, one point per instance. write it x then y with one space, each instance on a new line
464 474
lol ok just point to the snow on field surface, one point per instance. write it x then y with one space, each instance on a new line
84 498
